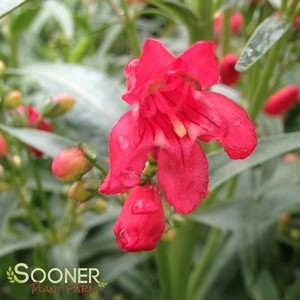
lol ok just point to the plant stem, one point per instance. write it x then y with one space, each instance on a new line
41 194
129 24
225 32
203 30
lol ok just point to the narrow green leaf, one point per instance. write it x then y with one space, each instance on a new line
22 21
7 203
248 212
222 168
263 38
8 5
49 143
276 3
179 11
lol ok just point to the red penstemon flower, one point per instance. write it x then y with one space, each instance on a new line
171 109
282 100
34 121
141 222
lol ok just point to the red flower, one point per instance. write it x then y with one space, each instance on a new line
35 122
141 222
229 75
236 22
3 146
282 100
170 111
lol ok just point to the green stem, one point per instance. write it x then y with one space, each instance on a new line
41 193
99 167
203 30
129 24
13 52
225 32
199 273
261 92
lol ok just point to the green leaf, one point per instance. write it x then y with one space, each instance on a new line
265 287
263 38
221 168
179 11
22 21
249 212
20 243
7 203
47 142
8 5
58 11
99 104
276 3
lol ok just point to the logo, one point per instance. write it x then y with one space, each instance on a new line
77 280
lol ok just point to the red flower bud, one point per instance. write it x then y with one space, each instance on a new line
229 75
236 22
141 222
282 100
69 164
3 146
35 121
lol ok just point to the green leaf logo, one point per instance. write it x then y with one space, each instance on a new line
102 284
10 275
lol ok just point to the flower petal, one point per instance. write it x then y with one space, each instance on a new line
130 140
198 63
238 137
153 62
183 175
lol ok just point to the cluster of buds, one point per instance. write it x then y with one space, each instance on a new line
235 23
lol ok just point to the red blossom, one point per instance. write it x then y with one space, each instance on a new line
171 109
141 222
3 146
229 75
235 23
283 100
34 121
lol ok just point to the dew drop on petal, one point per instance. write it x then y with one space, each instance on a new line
237 122
123 142
130 177
144 206
123 237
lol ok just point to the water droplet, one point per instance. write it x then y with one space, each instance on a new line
130 177
237 122
124 237
144 206
123 142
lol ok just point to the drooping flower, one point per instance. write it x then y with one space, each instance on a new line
228 73
69 164
171 109
282 100
35 121
141 222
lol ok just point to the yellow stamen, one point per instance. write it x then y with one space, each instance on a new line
177 124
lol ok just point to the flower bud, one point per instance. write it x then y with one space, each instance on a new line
83 190
290 157
2 68
281 101
69 164
236 23
229 75
58 105
99 205
3 147
141 223
169 235
13 99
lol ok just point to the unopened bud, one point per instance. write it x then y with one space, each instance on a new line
99 205
177 220
69 164
229 75
58 105
2 68
289 157
13 99
17 160
169 235
285 218
83 190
